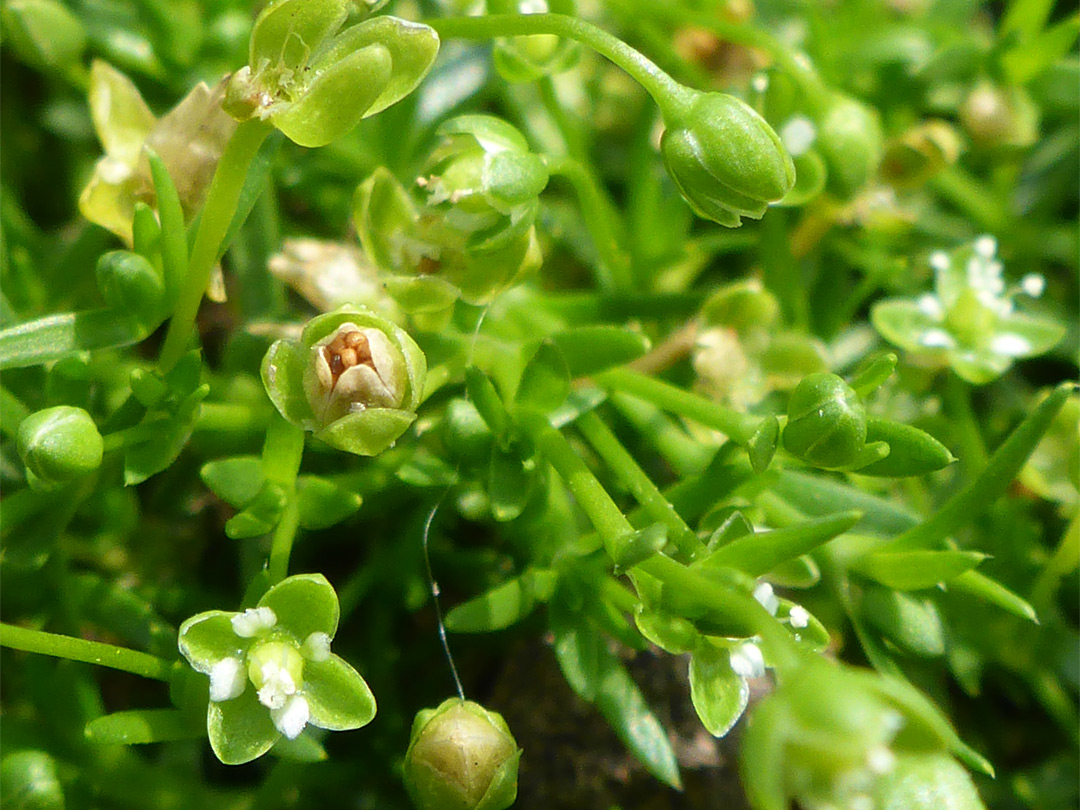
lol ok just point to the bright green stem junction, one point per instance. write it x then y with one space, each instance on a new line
90 652
217 215
669 95
614 529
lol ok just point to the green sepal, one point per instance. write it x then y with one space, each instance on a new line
322 503
422 294
669 632
911 451
304 604
283 377
240 729
814 637
129 283
915 570
368 432
334 101
287 32
719 695
142 726
412 48
810 179
762 445
338 697
208 637
382 211
305 749
872 374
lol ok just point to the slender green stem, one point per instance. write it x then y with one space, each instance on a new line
90 652
1065 560
734 605
672 97
973 197
282 453
230 417
973 450
136 434
217 214
738 426
995 478
600 218
686 456
656 506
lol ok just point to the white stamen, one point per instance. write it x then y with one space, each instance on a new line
764 594
1033 284
227 679
986 246
1010 344
880 759
316 647
253 621
799 617
939 260
937 339
292 716
278 684
760 83
747 661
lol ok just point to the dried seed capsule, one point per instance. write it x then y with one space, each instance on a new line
461 757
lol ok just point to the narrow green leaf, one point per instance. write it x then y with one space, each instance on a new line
509 483
577 647
719 695
817 496
759 553
983 587
545 381
496 609
141 726
590 349
56 336
483 395
174 252
915 570
873 374
762 445
911 451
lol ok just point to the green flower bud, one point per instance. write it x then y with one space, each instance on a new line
1000 116
43 33
354 379
461 757
927 782
919 154
725 159
132 286
59 444
826 422
850 139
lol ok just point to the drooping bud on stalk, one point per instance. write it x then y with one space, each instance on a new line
461 757
726 159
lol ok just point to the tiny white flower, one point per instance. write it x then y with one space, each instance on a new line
760 83
1033 284
292 716
986 246
930 305
747 661
799 617
227 679
316 647
937 339
1010 344
253 621
763 593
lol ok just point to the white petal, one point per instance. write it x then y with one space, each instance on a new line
227 679
1010 345
1033 284
253 621
986 246
937 339
747 661
799 617
880 759
764 594
798 135
939 260
316 647
930 305
291 718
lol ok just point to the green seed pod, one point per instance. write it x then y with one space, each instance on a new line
132 286
851 141
927 782
461 757
725 159
826 422
59 444
354 378
43 33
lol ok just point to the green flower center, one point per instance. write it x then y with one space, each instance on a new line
276 668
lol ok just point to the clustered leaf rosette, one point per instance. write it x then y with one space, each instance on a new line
856 748
354 379
189 140
726 160
461 756
315 84
271 670
473 234
969 322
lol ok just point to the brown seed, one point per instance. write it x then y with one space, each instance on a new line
353 339
334 360
348 357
